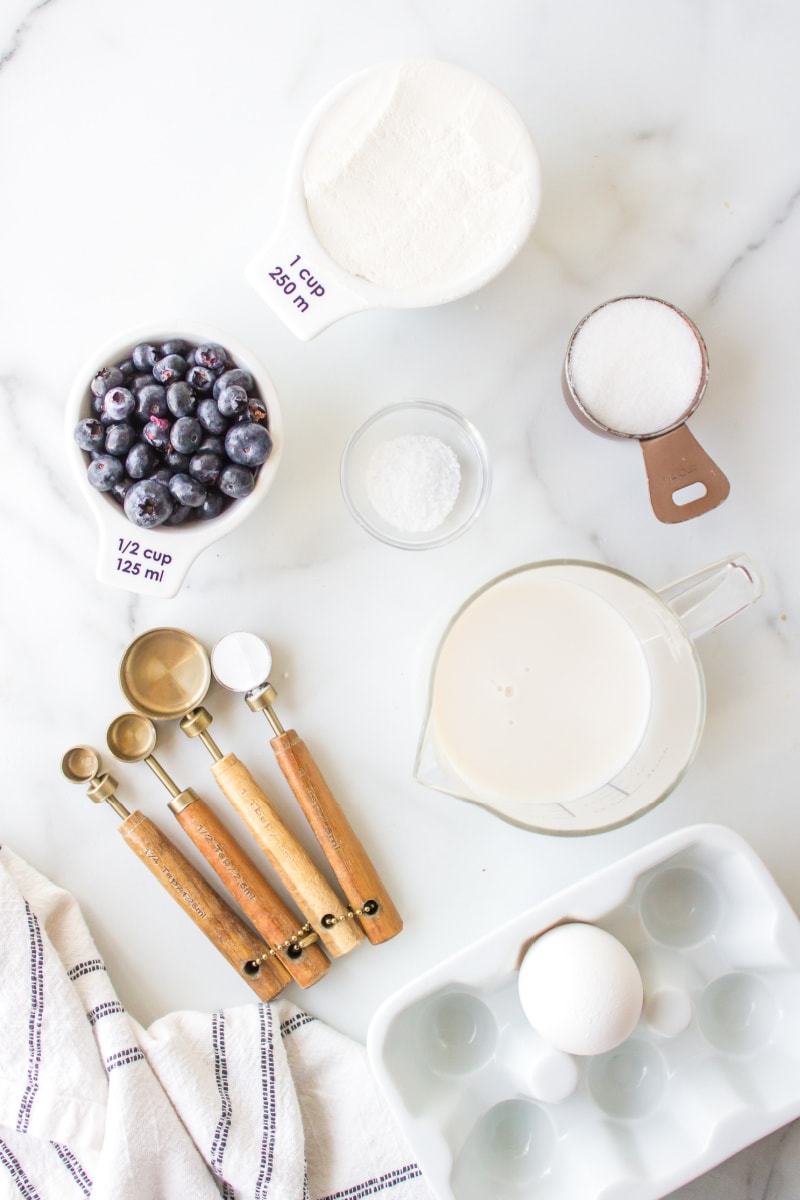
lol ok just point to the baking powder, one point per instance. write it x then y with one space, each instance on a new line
636 365
413 482
422 174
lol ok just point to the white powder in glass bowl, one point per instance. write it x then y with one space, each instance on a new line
413 482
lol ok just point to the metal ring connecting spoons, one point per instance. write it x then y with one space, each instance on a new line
241 662
133 738
165 674
242 948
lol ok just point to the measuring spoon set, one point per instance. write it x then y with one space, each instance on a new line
165 674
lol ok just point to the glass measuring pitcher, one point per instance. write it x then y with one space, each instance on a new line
568 697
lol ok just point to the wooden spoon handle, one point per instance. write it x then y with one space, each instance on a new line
223 928
356 874
306 884
279 927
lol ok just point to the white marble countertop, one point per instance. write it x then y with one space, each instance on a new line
144 150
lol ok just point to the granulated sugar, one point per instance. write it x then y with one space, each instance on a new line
636 365
421 175
413 482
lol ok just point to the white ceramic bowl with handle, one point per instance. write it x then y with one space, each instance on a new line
155 561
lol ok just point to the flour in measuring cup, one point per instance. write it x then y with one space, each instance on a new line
421 175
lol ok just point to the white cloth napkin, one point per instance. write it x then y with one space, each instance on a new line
258 1102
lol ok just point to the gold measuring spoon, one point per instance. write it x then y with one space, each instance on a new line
241 662
132 738
165 674
243 949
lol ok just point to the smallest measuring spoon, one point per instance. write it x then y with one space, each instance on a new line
637 367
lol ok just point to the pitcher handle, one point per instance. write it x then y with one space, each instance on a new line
713 595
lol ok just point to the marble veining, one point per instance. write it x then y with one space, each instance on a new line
144 150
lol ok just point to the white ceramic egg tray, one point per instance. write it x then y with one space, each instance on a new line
491 1110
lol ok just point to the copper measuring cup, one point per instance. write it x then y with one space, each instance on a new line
165 674
674 460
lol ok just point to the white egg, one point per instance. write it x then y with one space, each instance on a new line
580 989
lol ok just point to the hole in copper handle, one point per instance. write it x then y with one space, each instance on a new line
676 462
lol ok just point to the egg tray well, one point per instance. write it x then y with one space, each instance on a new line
713 1064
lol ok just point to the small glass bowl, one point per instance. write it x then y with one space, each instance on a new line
429 419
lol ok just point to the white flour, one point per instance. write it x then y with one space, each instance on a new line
636 365
421 175
413 482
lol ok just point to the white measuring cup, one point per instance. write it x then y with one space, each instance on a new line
568 697
295 273
155 562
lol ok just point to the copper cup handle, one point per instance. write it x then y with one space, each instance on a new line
675 461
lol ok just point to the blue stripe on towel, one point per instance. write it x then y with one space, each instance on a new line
268 1093
79 1176
382 1183
18 1176
123 1058
34 1020
223 1128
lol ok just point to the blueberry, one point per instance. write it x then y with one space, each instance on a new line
181 398
212 506
180 513
120 438
186 435
232 401
179 463
119 490
104 472
152 402
90 434
119 403
148 503
143 380
235 481
214 443
238 376
257 411
105 379
143 356
175 346
248 444
200 378
163 475
212 356
141 461
188 490
99 408
205 466
156 433
169 368
210 417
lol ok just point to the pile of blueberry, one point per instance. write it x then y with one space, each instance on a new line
177 432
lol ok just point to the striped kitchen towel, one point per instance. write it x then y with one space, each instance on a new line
258 1102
